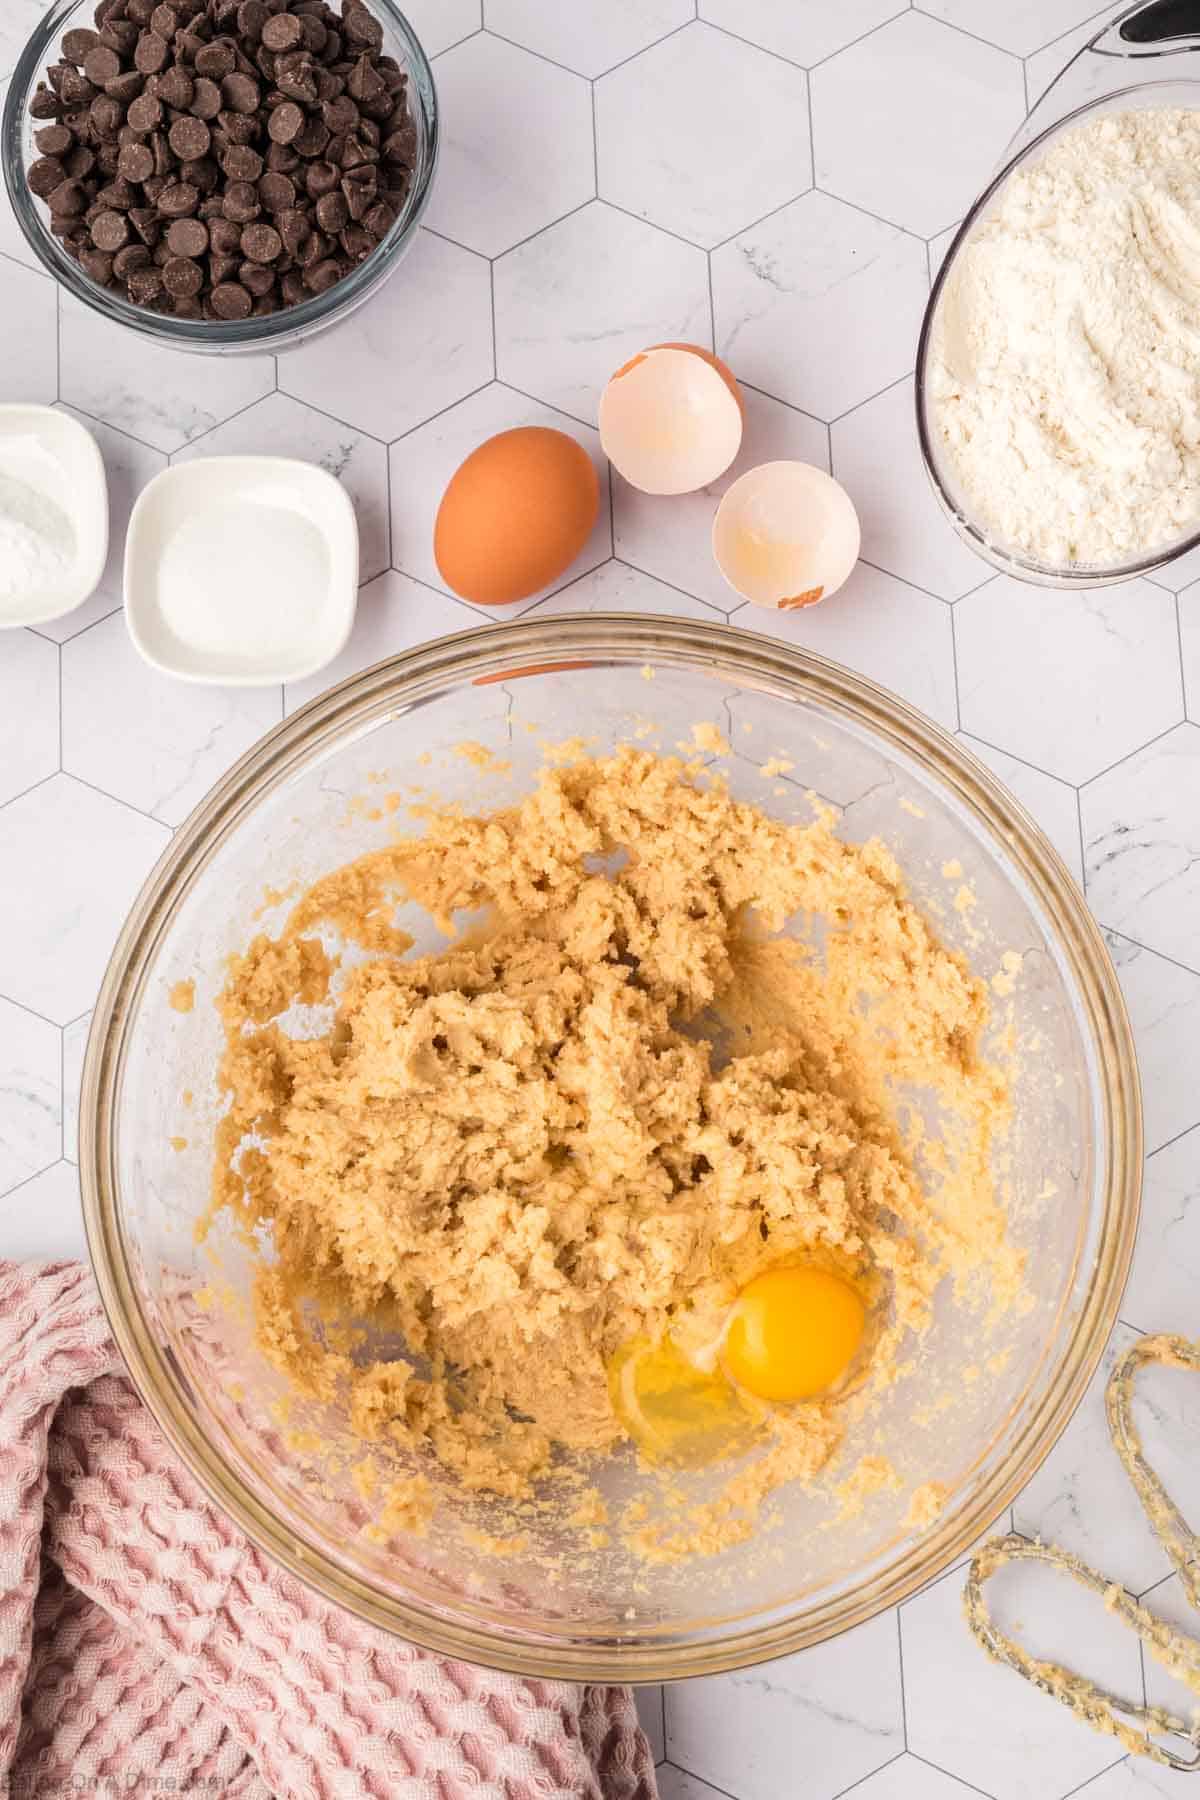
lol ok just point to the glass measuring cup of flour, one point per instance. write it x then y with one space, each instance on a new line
1146 57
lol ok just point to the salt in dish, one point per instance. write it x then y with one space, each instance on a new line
53 514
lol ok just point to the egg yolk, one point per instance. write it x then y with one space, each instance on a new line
793 1333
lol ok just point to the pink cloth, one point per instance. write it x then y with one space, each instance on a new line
147 1648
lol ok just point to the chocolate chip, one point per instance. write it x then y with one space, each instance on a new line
216 59
321 178
239 128
315 246
189 138
67 200
187 237
206 98
120 35
182 278
282 159
125 88
231 301
178 200
176 88
322 275
241 202
44 103
283 31
285 123
362 28
101 64
53 140
105 115
145 114
252 18
76 44
379 219
163 160
134 256
340 115
277 192
152 53
165 20
110 231
240 92
185 307
292 288
145 286
293 229
241 163
332 212
257 278
357 242
224 235
211 207
136 162
81 162
118 195
223 268
312 140
98 265
261 243
45 175
153 188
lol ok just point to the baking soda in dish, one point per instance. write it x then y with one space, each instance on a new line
37 541
245 578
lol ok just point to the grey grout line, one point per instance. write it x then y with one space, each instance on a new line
712 303
595 142
117 800
954 668
860 39
391 546
891 573
907 231
1093 1779
548 226
117 430
654 225
1130 754
612 516
662 1703
33 1013
837 418
445 238
974 37
60 705
57 343
464 39
696 1776
842 1792
26 1179
440 413
961 1779
627 562
34 785
1109 11
1115 931
190 443
538 55
1082 845
492 303
903 1691
653 45
550 405
766 51
62 1094
753 224
1003 750
1169 1142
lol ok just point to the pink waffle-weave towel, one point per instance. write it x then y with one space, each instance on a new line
147 1648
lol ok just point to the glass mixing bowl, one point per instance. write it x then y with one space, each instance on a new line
1145 57
309 797
279 330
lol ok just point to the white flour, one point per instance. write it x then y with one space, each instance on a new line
37 541
1065 365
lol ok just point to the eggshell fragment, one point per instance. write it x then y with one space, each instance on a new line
515 515
671 419
786 535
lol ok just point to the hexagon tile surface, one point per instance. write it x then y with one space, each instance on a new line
776 180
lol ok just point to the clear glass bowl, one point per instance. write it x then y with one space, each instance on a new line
1147 41
301 804
279 330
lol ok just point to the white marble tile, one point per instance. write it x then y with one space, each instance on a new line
649 1702
939 244
582 298
1081 1499
43 1219
165 397
12 238
1068 682
129 465
615 587
1141 845
28 712
1021 26
281 426
394 614
807 31
74 1043
916 85
418 345
30 1094
441 23
28 306
674 1784
673 538
1134 1779
1054 805
820 304
424 461
589 36
841 1701
1164 1009
517 144
1189 638
908 1778
979 1721
1180 573
82 859
658 122
176 737
17 21
877 460
1165 1279
881 628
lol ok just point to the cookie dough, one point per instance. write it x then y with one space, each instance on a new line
598 1113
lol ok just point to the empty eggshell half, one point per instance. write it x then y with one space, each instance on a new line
786 535
671 419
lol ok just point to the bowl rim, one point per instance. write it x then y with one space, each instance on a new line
504 652
250 334
1012 562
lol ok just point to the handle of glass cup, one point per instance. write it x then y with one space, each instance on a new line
1158 30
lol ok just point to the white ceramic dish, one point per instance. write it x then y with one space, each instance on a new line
51 452
219 570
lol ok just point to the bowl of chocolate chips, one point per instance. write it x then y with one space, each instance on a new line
221 174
